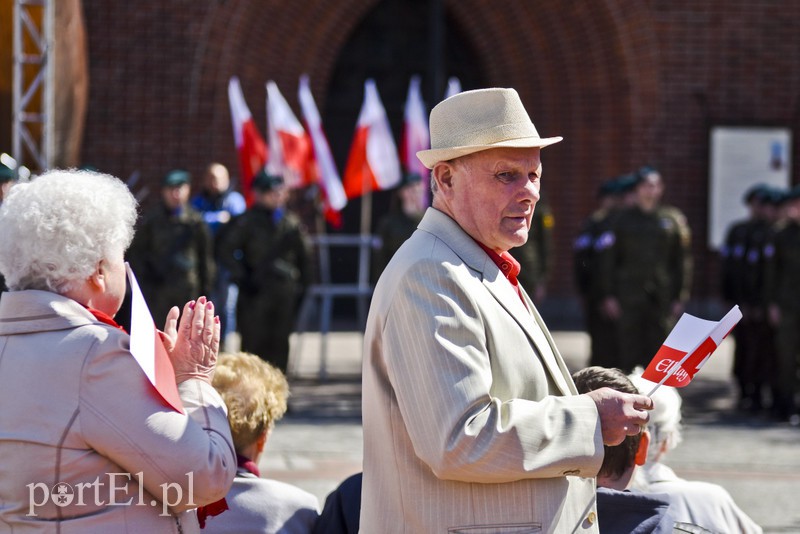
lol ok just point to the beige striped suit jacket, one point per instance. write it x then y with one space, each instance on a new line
471 420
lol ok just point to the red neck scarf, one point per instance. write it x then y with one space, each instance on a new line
104 318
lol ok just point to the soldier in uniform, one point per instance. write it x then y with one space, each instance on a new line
535 256
171 251
601 331
267 253
408 206
742 279
782 281
642 274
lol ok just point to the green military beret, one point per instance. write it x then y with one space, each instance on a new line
263 181
176 178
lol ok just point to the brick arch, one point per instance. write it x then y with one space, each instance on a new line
276 40
587 71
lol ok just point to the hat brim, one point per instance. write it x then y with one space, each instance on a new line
431 157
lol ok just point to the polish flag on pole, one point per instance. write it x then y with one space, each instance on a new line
373 163
292 155
330 182
250 145
148 348
416 136
687 348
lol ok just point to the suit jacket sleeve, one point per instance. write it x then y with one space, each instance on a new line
473 394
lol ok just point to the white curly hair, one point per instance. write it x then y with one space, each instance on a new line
55 229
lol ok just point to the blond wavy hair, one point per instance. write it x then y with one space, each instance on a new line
255 393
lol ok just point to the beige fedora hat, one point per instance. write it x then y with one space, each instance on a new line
478 120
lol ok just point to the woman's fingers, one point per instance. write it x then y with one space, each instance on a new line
208 326
198 320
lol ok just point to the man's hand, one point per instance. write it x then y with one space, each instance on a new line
194 343
621 414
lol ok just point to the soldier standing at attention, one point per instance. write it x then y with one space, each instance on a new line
742 271
171 251
602 332
266 251
783 297
642 274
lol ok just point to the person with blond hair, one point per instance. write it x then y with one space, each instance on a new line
256 394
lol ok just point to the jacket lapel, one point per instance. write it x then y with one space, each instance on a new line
442 226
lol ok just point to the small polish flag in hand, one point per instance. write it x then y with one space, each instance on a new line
687 348
148 348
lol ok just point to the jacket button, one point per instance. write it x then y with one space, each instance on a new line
591 518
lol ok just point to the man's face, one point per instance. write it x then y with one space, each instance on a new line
217 180
176 197
273 199
649 191
492 194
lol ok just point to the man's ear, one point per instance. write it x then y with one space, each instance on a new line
443 174
644 444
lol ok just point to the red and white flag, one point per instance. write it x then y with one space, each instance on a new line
334 198
292 155
416 136
373 163
250 145
148 348
687 348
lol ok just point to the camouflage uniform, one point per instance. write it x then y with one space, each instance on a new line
535 256
642 264
267 255
172 257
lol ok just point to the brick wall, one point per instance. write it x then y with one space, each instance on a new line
626 82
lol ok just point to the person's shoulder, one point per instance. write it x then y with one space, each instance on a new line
286 493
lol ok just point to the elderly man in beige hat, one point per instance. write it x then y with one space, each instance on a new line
471 421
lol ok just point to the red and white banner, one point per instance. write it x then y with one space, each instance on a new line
687 348
373 163
250 145
416 136
292 155
148 348
334 198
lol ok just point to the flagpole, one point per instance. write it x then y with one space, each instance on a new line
364 245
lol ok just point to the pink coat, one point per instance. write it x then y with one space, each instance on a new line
85 443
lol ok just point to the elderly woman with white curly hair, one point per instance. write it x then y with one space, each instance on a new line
86 443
